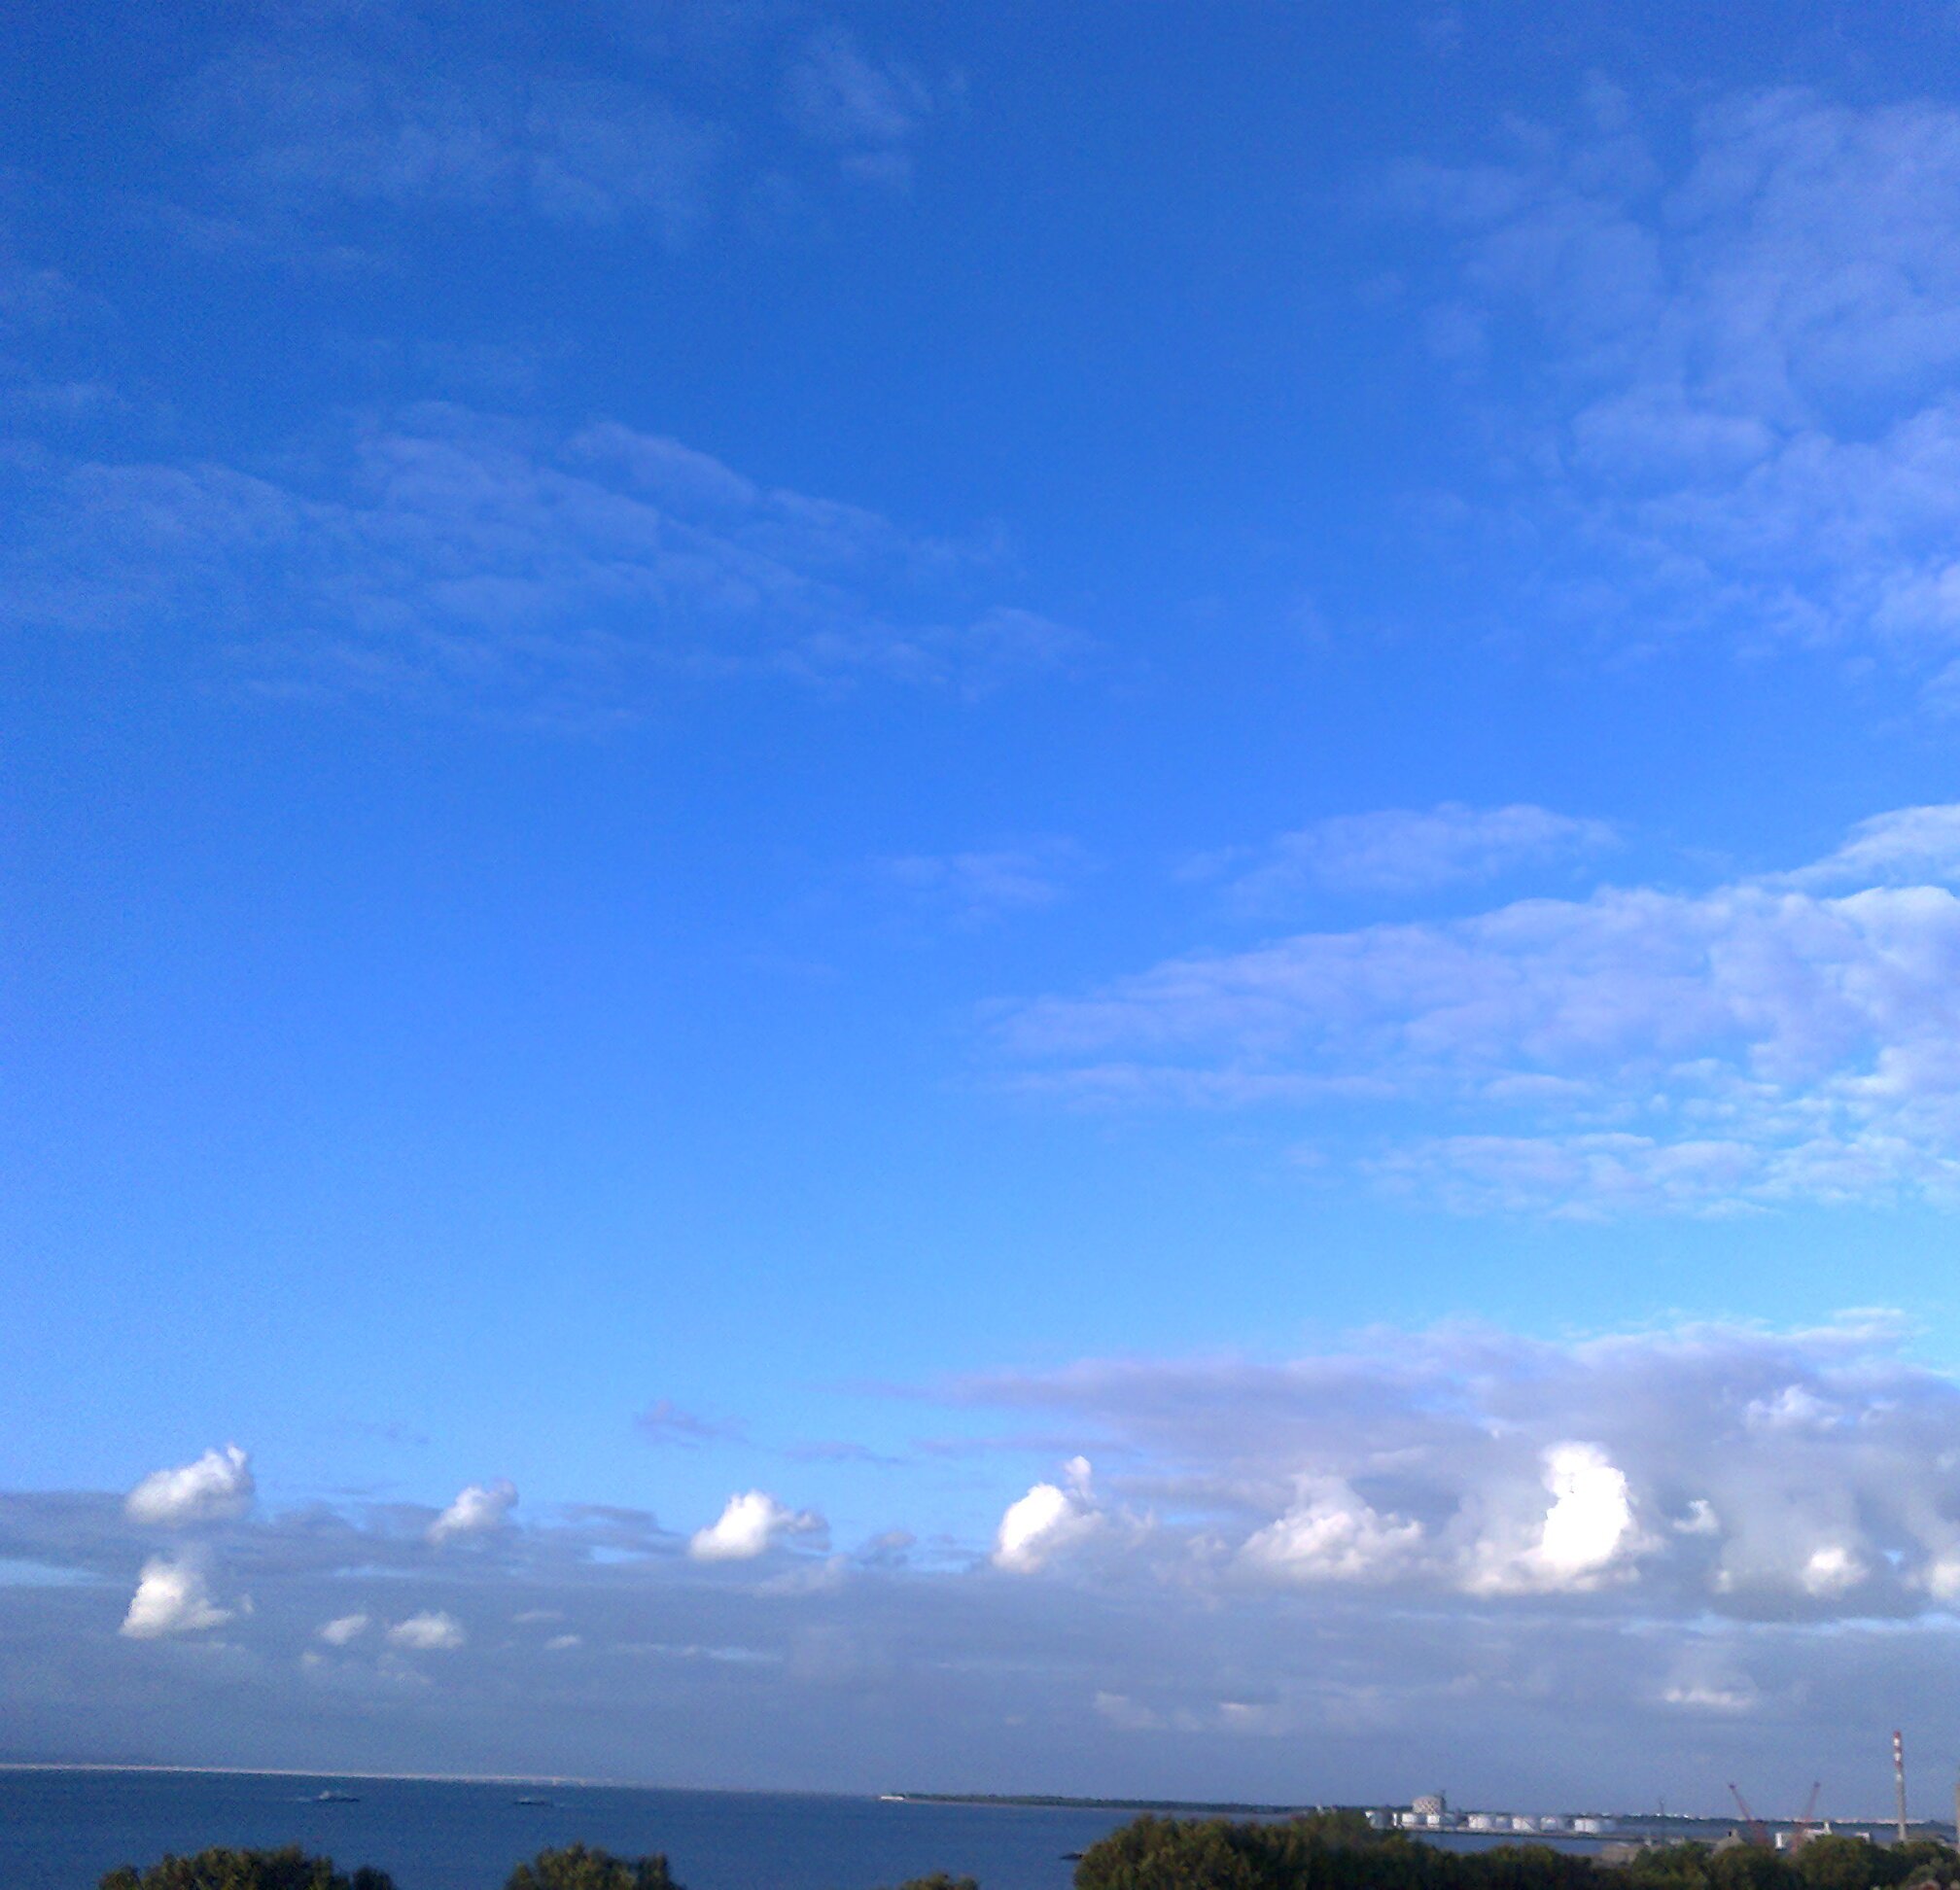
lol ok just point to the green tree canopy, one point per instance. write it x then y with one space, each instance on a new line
1339 1850
1750 1867
1835 1862
576 1868
240 1870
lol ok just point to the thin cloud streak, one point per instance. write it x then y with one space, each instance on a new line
1741 419
1639 1049
1401 852
449 559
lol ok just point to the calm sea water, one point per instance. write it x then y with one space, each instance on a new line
61 1831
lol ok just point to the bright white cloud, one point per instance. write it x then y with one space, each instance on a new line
1473 1529
1638 1049
752 1524
1703 1696
343 1630
1631 1473
1048 1521
478 1510
173 1596
1833 1570
1398 851
215 1488
432 1631
1330 1534
1585 1536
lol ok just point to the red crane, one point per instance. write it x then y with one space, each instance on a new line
1759 1831
1806 1825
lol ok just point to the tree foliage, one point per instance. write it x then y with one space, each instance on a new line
1342 1851
245 1870
574 1868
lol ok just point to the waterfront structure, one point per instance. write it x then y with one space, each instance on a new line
1431 1812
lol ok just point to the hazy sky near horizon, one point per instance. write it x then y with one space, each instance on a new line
1027 896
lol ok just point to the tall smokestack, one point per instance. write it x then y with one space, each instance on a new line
1899 1778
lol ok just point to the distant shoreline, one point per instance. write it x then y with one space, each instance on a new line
1630 1824
1029 1799
1034 1800
1050 1802
330 1771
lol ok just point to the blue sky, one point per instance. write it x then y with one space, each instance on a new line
773 769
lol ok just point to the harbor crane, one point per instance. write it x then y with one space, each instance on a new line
1759 1831
1801 1830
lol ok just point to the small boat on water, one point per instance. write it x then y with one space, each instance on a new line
336 1797
544 1803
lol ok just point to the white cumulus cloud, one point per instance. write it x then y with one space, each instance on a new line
478 1509
432 1631
215 1488
1833 1569
752 1524
1585 1535
343 1630
1629 1475
1330 1534
173 1596
1047 1521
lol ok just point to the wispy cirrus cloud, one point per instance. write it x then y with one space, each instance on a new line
1739 413
983 884
449 559
664 1421
1397 852
314 124
1911 846
1640 1048
308 124
869 109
